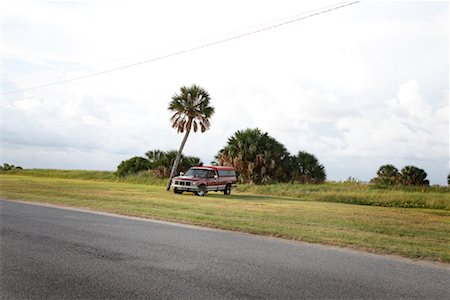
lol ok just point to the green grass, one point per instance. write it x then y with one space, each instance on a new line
358 193
415 233
350 193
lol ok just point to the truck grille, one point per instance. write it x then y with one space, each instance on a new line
185 183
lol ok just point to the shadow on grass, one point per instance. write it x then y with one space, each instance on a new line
250 198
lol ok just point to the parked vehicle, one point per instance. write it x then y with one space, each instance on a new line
201 180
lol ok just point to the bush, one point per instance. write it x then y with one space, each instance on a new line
132 166
162 161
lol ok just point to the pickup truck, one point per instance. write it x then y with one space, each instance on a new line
201 180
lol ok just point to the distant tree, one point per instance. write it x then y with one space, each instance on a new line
411 175
8 167
305 168
133 165
192 111
448 179
257 157
388 175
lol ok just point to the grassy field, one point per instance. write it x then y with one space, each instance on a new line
305 216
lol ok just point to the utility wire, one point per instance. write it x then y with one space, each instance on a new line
235 37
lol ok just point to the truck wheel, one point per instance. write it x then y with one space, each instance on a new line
227 190
177 191
201 190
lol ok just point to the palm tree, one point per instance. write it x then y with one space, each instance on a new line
307 169
256 156
387 174
412 175
192 111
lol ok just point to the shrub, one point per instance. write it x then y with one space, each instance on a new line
132 166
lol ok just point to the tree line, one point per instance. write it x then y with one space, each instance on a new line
256 156
409 175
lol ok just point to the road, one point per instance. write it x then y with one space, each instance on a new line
53 253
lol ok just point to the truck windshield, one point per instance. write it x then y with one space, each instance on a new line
197 173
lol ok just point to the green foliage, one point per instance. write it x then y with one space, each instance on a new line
162 161
387 175
8 167
307 169
412 175
409 176
257 157
192 109
133 165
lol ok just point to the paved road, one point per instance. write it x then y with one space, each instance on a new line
51 253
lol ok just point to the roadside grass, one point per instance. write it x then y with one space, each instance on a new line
435 197
414 233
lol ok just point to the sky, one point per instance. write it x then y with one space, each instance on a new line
359 87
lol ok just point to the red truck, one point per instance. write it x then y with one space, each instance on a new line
201 180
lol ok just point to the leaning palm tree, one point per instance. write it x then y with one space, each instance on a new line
192 111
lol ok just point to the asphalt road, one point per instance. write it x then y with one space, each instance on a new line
52 253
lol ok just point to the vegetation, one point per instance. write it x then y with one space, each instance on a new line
409 176
162 161
435 197
133 165
8 167
307 169
192 111
412 175
415 233
256 156
259 158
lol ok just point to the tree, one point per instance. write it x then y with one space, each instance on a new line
133 165
387 174
411 175
448 179
256 156
192 111
307 169
8 167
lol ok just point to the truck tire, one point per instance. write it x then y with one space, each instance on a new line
201 190
227 190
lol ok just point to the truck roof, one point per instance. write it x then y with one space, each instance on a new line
216 168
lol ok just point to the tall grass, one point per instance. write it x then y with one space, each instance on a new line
359 193
144 177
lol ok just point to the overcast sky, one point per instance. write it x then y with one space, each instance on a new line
359 87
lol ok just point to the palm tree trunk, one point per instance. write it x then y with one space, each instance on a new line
177 160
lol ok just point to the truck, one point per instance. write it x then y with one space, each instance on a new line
203 179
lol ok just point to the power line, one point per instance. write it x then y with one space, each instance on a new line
235 37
